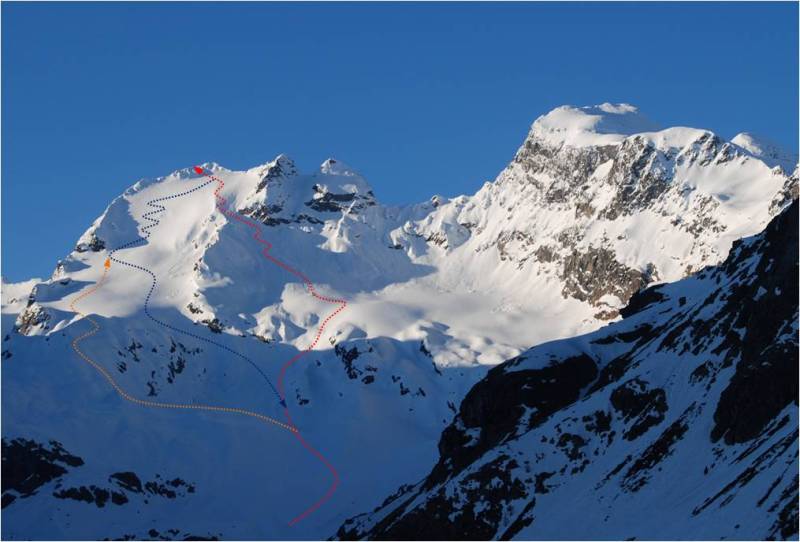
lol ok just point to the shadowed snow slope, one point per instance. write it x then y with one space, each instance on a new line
687 407
596 205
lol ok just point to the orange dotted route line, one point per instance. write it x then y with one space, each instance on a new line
221 205
143 402
221 202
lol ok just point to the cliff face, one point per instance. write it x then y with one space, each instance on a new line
688 406
595 213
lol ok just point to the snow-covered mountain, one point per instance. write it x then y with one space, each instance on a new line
597 204
679 422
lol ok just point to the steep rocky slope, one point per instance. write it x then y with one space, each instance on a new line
597 204
679 422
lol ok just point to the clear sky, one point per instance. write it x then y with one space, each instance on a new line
421 98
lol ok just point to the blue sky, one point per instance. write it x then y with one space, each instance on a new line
421 98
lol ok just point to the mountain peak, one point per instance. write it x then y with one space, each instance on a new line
280 166
332 166
428 295
284 162
597 125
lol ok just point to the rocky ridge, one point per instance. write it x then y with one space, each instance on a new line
689 404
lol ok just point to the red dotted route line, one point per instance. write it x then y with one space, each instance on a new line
222 206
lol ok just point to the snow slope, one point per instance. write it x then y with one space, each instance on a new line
596 204
677 423
763 148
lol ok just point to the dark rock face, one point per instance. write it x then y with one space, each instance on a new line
470 523
786 525
34 316
590 275
92 494
267 215
789 193
169 489
642 173
518 237
126 482
263 213
282 168
159 368
766 375
214 325
638 474
636 174
640 300
787 500
348 357
635 401
614 397
596 184
574 164
95 244
328 202
496 405
28 465
546 254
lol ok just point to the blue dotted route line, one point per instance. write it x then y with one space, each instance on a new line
146 231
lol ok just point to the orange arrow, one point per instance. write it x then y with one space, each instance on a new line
108 263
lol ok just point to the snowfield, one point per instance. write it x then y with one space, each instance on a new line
597 204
